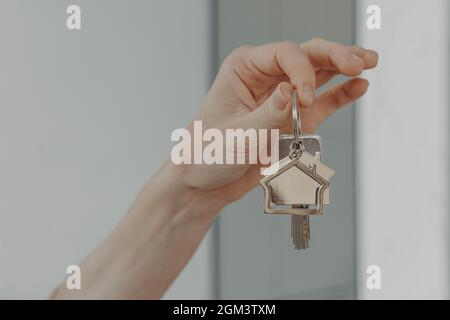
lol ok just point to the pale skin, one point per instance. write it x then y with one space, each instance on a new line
163 228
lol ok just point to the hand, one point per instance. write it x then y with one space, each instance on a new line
253 90
166 223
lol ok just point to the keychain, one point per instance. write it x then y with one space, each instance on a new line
299 183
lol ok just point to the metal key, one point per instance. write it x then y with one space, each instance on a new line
300 227
298 184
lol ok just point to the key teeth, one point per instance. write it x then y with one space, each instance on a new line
300 232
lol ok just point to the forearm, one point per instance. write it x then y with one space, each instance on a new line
152 244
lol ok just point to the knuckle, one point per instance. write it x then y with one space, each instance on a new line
345 92
357 48
340 97
239 51
289 45
345 50
318 40
335 100
235 57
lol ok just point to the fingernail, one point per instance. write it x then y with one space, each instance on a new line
373 52
358 60
367 84
307 95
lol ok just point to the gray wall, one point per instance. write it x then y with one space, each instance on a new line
256 258
85 119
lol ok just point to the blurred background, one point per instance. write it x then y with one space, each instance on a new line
86 118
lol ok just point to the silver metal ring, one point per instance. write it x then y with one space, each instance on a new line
296 124
297 146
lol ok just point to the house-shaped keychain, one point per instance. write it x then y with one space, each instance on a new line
298 186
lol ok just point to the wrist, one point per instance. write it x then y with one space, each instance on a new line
168 220
167 193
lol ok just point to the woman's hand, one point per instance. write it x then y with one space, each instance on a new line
160 232
253 90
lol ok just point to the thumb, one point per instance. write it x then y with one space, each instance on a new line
274 112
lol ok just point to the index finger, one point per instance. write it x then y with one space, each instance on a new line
286 58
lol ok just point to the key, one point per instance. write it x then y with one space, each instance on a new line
299 183
300 228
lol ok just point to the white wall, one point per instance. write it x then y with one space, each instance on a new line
85 119
402 152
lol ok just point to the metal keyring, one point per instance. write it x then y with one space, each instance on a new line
296 145
295 116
